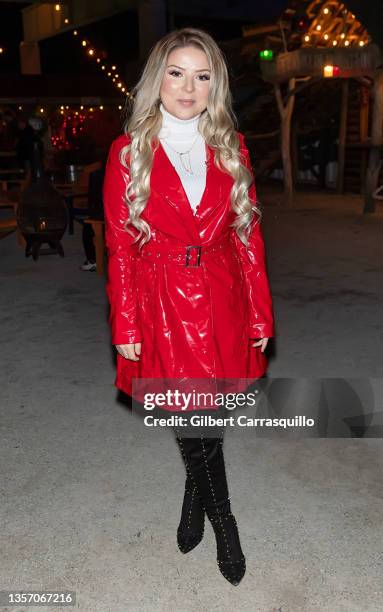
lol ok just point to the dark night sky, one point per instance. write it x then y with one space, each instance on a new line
118 35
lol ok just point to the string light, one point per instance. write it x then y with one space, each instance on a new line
330 25
57 7
66 20
109 71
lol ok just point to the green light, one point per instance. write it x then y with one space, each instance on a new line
266 54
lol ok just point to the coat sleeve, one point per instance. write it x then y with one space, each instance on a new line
122 254
252 258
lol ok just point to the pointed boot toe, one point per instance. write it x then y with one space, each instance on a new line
192 524
187 543
230 558
233 571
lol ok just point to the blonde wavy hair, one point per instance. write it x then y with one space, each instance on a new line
217 125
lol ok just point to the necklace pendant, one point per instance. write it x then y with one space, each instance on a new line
185 157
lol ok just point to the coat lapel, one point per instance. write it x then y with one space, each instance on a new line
166 182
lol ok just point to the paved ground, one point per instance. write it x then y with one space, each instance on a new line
90 499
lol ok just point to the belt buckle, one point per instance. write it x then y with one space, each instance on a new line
188 256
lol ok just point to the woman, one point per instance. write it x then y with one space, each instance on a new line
187 281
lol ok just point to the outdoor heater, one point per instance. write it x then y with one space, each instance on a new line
41 214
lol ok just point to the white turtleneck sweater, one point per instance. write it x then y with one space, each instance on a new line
180 134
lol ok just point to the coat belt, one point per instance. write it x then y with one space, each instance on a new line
190 256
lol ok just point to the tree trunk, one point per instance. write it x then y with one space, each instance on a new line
286 114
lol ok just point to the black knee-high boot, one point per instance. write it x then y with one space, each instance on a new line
206 464
192 524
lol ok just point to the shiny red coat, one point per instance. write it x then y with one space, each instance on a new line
194 322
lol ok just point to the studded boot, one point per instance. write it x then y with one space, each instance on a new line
206 462
192 524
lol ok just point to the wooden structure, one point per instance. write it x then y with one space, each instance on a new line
322 41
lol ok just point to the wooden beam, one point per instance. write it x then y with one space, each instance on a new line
374 162
342 136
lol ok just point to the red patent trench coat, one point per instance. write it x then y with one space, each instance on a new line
194 321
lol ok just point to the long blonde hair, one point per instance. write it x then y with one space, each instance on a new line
217 125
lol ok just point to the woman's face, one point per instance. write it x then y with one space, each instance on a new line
185 85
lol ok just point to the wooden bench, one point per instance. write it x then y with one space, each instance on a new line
99 243
8 225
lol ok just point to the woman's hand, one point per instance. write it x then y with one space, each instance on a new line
129 351
262 342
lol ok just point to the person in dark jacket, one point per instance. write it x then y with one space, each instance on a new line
96 211
24 145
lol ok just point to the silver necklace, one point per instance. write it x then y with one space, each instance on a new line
184 156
